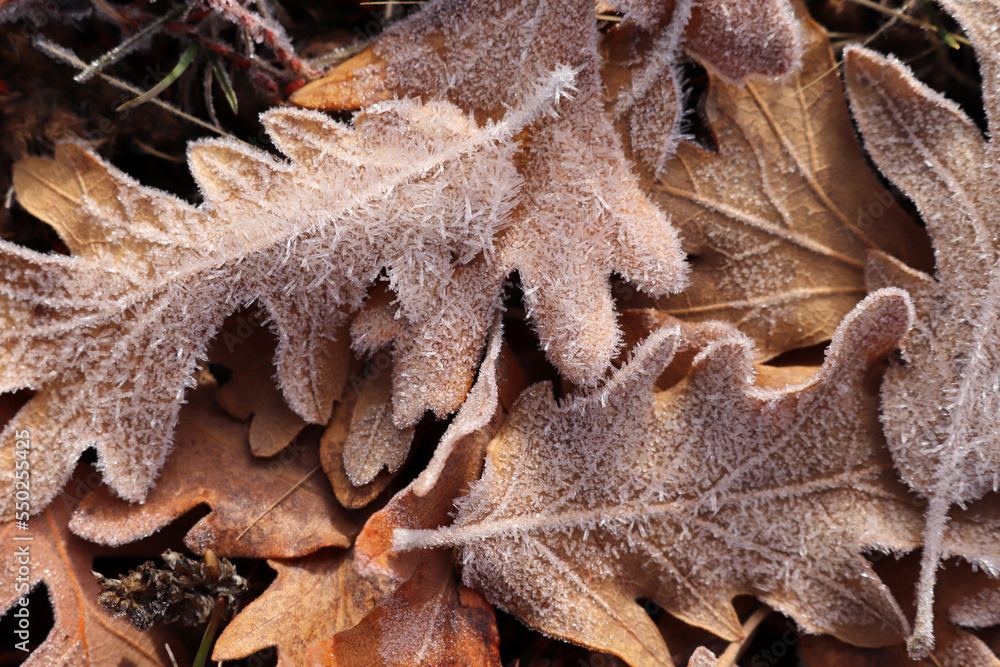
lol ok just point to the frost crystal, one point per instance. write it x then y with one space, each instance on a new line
581 214
711 489
109 336
940 407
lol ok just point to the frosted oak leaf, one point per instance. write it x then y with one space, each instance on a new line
691 496
775 233
212 466
427 621
644 86
940 407
324 580
581 215
109 336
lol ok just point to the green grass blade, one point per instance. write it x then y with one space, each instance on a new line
186 59
224 82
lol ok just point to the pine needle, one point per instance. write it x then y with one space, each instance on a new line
224 82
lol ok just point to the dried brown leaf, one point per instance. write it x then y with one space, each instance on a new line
109 336
737 40
940 405
777 231
428 501
83 634
968 600
429 621
373 441
251 514
312 598
247 348
702 657
362 437
692 496
580 215
643 87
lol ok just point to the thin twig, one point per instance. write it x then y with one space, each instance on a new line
906 18
71 58
735 650
126 47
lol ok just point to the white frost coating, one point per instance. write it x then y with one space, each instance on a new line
651 108
941 407
581 215
779 234
691 496
109 336
478 409
738 40
373 442
702 657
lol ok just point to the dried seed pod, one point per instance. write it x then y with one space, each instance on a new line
183 592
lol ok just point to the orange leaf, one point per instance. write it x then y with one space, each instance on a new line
83 634
776 232
429 621
328 594
251 514
247 348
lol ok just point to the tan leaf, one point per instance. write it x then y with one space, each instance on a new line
734 39
374 442
691 496
825 651
580 215
638 324
702 657
643 88
312 598
778 233
361 437
246 348
429 621
428 501
940 407
82 634
737 40
261 508
968 600
109 336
